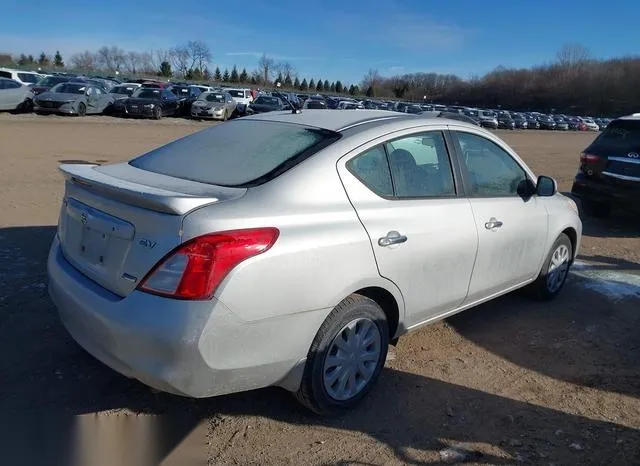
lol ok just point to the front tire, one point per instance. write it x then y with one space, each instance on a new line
82 109
555 270
157 113
345 358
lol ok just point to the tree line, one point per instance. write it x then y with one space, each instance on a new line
574 83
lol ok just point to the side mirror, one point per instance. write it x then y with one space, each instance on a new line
546 186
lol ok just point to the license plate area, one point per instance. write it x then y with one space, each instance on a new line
92 235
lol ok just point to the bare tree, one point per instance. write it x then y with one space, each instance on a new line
160 55
199 54
85 61
132 62
371 79
146 64
111 58
285 68
180 59
572 55
266 67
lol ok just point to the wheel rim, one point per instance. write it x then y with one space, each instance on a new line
352 359
558 268
81 109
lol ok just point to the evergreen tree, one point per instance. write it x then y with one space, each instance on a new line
354 90
320 86
296 83
165 69
226 76
217 75
57 60
333 87
326 85
312 84
244 76
23 60
234 78
339 87
206 74
370 92
43 60
287 81
279 79
254 81
31 60
304 86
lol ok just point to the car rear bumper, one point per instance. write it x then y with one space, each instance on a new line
190 348
627 194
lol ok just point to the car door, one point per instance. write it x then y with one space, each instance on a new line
421 230
512 224
92 99
103 100
11 94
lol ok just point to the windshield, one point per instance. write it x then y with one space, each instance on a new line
28 77
264 100
236 93
122 90
223 155
620 135
147 93
51 81
70 88
214 98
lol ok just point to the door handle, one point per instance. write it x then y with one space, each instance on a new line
393 237
493 223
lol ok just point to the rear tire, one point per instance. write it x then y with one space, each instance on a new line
82 109
345 358
555 270
157 112
596 209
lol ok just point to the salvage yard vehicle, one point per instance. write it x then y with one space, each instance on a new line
213 106
609 174
73 98
290 249
148 102
15 96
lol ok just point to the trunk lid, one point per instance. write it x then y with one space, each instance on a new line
619 147
118 221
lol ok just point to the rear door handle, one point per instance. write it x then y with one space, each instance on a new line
393 237
493 223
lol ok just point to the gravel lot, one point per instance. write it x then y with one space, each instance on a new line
513 380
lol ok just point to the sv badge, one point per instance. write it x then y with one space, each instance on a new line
147 243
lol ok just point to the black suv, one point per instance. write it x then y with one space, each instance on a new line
609 173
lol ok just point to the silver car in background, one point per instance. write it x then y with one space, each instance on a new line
213 105
74 98
15 96
291 249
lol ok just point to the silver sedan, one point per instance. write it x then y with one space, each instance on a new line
291 249
215 105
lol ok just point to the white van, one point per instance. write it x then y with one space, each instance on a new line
242 97
28 78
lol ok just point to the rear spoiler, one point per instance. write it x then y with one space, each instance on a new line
159 199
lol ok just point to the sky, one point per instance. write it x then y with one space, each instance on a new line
330 39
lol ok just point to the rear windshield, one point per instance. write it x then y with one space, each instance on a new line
620 135
223 155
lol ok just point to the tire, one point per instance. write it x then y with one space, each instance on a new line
547 286
331 397
157 112
596 209
27 106
82 109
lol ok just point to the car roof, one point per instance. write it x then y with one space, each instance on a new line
340 121
633 116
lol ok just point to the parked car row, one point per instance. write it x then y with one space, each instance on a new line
80 95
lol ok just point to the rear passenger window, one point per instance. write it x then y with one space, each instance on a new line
372 169
5 74
491 171
420 166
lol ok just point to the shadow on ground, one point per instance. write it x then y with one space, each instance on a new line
47 380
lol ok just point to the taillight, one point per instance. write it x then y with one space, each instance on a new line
196 268
589 158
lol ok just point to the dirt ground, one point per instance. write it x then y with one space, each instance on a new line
513 381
